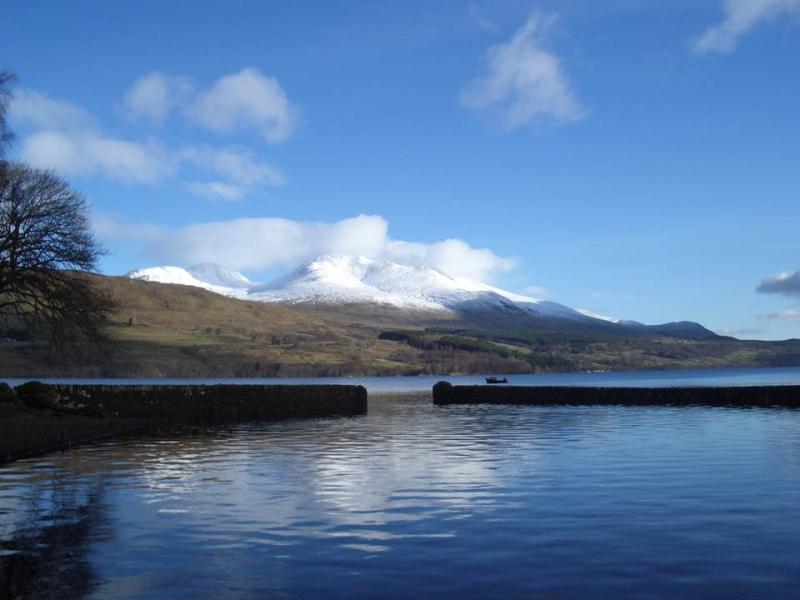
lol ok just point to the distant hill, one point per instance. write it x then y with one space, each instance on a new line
341 280
688 330
175 330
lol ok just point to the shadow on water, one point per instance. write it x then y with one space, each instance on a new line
47 557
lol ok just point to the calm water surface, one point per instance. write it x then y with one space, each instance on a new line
415 500
686 377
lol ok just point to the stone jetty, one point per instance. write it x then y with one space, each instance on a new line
36 418
780 395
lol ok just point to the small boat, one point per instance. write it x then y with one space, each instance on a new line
496 380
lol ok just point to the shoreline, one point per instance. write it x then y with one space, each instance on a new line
380 389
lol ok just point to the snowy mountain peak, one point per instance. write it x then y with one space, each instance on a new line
341 279
181 276
166 274
355 279
344 279
220 276
388 276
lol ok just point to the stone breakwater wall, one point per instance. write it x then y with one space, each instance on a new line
780 395
211 402
37 418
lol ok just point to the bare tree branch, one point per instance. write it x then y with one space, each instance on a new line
45 242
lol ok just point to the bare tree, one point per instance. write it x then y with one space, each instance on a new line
6 135
45 241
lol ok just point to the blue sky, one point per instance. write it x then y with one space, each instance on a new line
636 158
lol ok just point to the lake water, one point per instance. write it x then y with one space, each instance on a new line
415 500
689 377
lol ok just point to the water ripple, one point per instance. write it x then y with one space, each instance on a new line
412 499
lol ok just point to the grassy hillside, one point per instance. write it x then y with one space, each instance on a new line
172 330
179 331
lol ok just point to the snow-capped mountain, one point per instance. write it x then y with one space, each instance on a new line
202 276
341 279
220 276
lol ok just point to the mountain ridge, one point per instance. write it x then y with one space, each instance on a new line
168 330
339 280
344 279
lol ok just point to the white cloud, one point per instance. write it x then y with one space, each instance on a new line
258 244
155 95
242 173
86 153
240 102
255 244
112 229
69 141
247 100
76 153
536 291
523 83
30 107
217 190
236 165
783 315
740 16
454 257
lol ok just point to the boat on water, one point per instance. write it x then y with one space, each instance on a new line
496 380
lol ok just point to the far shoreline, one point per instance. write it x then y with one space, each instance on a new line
401 384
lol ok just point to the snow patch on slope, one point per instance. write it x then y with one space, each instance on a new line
181 276
588 313
220 276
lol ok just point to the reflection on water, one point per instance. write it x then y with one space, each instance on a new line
468 501
46 529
